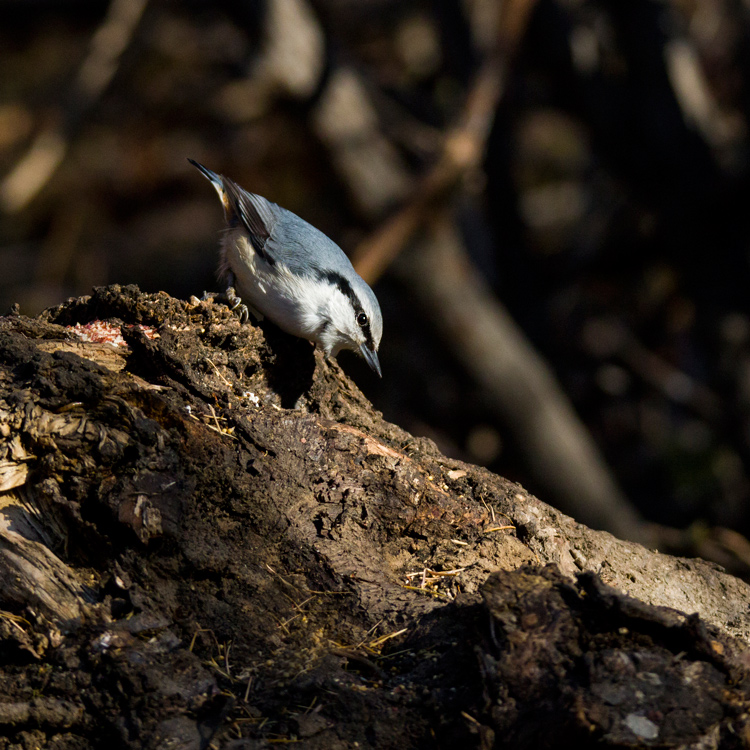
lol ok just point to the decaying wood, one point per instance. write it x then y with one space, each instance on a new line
209 538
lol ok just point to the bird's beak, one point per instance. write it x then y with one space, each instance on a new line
371 358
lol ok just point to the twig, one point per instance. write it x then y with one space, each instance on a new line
220 376
461 152
462 149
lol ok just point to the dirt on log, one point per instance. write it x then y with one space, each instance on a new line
208 538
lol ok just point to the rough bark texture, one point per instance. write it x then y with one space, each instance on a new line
208 538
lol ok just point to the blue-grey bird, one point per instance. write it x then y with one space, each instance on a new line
283 268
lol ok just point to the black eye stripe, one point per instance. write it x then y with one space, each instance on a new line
343 285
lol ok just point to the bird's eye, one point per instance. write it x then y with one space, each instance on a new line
361 319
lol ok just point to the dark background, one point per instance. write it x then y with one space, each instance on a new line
609 213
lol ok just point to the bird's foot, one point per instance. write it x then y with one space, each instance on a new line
232 300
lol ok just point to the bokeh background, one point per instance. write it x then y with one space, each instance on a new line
549 196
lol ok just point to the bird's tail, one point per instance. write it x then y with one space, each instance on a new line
216 180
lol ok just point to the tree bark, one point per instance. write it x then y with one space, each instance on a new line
208 538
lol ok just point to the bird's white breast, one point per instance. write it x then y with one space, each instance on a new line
295 303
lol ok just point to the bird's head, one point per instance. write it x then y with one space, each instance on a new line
352 317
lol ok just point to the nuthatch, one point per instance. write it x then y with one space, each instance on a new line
281 267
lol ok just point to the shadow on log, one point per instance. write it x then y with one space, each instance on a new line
187 562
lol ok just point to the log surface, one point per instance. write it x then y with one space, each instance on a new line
209 538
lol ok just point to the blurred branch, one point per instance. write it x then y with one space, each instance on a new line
462 149
462 152
48 150
33 171
345 120
694 95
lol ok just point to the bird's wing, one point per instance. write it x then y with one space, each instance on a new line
257 215
277 235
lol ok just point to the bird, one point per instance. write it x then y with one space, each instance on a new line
278 266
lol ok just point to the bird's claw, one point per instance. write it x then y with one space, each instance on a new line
234 301
232 298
